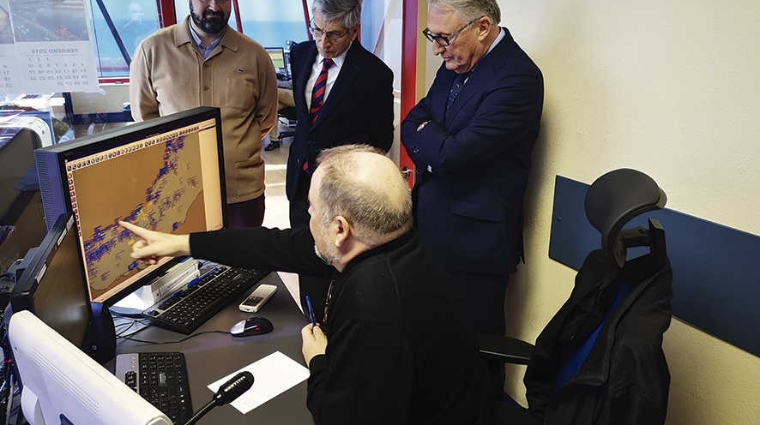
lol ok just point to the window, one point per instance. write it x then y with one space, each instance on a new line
133 21
269 22
274 22
382 26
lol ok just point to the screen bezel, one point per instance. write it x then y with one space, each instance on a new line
110 139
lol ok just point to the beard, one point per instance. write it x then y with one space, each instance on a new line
326 257
211 22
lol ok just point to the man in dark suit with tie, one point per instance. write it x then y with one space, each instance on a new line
343 95
471 139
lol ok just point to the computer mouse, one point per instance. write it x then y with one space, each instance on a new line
256 325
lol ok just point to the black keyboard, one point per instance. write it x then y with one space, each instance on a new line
188 309
159 378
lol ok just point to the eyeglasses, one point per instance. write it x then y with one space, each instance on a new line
445 40
333 36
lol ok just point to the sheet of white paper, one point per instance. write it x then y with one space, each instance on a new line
272 375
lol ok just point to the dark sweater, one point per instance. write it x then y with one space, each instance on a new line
399 349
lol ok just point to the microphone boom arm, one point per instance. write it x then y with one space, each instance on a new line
228 392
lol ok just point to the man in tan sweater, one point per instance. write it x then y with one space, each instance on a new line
201 61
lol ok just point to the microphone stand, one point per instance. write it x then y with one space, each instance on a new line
199 414
228 392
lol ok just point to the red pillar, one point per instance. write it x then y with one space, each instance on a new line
408 75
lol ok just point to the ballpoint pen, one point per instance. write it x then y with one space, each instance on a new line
310 311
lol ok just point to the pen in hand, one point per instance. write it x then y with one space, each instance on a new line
310 311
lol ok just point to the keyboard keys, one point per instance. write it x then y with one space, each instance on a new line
161 379
186 311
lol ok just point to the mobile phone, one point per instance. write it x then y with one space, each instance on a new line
258 298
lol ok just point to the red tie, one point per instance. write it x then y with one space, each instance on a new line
318 97
318 93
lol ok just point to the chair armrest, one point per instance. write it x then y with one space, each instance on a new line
509 350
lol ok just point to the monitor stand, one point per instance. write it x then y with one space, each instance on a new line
157 289
100 338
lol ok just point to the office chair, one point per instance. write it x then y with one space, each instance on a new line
600 359
288 113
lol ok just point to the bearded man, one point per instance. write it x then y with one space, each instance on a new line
201 61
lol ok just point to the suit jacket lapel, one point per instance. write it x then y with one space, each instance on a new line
481 75
304 74
472 85
441 94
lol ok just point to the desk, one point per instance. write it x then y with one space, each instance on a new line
212 356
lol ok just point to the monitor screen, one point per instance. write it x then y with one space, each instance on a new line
278 57
166 174
62 385
52 284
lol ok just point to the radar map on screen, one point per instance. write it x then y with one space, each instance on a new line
164 193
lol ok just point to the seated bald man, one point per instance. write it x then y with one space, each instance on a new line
393 347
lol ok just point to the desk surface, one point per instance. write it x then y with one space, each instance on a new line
212 356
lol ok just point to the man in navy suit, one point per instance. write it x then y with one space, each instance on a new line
346 101
471 139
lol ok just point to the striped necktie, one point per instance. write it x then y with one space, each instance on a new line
318 93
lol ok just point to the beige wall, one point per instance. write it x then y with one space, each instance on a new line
672 89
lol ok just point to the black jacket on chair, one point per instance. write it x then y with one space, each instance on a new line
625 378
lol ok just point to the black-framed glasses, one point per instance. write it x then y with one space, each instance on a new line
445 40
333 36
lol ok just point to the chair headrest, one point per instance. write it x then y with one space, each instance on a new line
617 197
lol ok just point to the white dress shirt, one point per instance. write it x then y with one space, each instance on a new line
332 75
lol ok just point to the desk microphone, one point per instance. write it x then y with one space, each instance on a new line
228 392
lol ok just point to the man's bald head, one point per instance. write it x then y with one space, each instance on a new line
361 184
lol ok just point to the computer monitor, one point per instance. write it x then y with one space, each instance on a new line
16 161
20 227
52 284
277 54
62 385
165 174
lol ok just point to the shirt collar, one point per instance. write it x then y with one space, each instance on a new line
337 61
500 37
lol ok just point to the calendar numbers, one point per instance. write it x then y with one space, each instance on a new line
6 78
59 69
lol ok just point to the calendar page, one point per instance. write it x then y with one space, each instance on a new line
51 50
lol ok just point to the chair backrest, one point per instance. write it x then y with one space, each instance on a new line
614 199
613 322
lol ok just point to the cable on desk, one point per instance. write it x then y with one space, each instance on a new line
177 341
120 333
127 315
